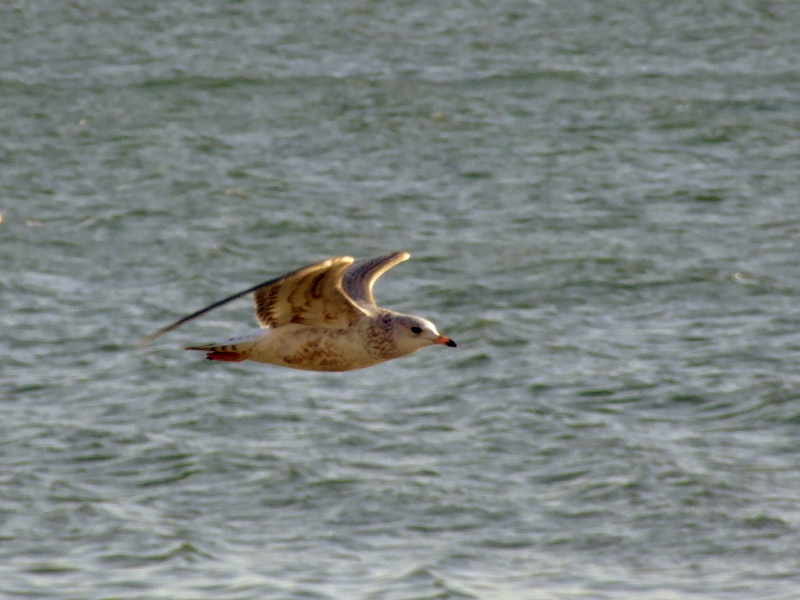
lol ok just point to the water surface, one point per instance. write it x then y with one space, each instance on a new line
600 200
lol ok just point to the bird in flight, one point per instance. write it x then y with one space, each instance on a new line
322 317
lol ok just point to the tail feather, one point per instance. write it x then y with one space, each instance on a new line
226 356
232 350
209 347
227 353
221 353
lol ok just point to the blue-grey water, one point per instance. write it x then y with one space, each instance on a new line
602 202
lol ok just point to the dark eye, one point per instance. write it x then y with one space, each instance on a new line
416 329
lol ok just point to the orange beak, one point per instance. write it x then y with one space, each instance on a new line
445 341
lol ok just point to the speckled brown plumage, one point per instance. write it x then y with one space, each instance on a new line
323 317
379 339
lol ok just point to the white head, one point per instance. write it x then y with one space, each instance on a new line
413 333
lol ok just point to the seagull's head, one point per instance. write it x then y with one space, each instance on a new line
413 333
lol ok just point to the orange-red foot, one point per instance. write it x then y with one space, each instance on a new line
226 356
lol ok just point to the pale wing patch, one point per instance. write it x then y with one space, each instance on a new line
310 296
361 276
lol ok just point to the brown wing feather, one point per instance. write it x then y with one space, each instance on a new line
361 276
312 296
335 307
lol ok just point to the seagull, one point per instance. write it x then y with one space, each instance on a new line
322 317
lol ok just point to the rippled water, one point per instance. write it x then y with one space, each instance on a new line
601 204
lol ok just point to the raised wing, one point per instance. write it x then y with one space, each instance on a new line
307 304
361 276
310 296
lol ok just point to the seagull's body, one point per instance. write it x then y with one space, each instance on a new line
323 317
